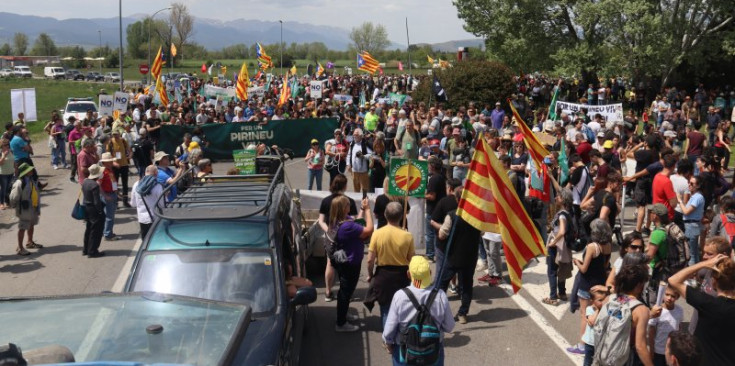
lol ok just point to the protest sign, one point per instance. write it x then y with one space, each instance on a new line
24 101
224 138
609 112
244 161
315 89
106 105
120 101
342 97
212 91
406 174
394 97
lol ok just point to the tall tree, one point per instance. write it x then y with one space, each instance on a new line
369 37
20 44
5 50
183 25
137 38
44 46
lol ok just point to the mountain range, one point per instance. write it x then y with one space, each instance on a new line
211 33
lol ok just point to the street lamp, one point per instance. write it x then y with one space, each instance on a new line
149 36
280 45
100 55
120 51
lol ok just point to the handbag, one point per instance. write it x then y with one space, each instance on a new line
78 212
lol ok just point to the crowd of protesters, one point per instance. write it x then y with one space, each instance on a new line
677 148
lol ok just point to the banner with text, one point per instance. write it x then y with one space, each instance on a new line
224 139
120 103
315 89
609 112
106 103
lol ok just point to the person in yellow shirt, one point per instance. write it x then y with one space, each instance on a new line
121 151
392 248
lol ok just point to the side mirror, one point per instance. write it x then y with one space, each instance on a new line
304 296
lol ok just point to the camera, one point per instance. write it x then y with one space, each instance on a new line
359 154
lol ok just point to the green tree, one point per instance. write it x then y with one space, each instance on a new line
470 81
137 39
369 37
182 24
44 46
20 44
5 50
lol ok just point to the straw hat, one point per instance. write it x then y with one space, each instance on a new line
107 158
95 171
24 169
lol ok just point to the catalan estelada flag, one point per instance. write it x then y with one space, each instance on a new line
536 150
157 64
285 93
263 58
490 203
365 62
243 79
161 89
319 69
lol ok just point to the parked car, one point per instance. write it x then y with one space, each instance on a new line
78 108
54 72
126 329
234 239
22 72
94 76
112 77
74 75
6 73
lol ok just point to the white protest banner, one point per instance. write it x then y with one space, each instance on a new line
106 105
120 102
23 101
342 97
257 91
214 91
315 89
609 112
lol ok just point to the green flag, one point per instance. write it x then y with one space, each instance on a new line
563 164
552 106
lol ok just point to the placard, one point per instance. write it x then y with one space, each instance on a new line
23 101
244 161
120 101
408 174
315 89
106 105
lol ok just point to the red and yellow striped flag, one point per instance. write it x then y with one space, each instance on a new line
243 81
161 89
490 203
285 93
536 149
365 62
157 64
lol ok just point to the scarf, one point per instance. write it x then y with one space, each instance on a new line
145 186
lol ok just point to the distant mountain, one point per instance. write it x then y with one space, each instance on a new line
210 33
453 46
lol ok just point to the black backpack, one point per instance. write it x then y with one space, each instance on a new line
420 342
574 238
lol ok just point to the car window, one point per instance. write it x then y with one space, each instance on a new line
222 275
201 234
80 107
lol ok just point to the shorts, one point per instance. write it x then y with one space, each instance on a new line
582 294
642 193
26 224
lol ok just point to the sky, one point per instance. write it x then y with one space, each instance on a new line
429 21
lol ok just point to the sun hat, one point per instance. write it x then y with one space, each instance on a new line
159 155
608 144
24 169
192 145
314 141
420 272
95 171
106 158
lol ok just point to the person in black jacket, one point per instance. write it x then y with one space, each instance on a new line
95 209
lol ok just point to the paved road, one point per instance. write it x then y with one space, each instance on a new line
502 329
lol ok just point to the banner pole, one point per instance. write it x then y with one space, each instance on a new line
405 195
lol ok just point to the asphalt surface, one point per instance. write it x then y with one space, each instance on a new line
502 329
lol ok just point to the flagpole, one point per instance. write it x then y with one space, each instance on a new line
408 47
405 195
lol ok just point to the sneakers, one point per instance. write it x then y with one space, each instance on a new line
56 167
494 280
346 327
575 350
481 265
352 318
461 319
485 278
329 298
112 237
66 166
72 180
453 289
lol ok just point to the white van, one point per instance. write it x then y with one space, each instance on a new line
54 72
22 71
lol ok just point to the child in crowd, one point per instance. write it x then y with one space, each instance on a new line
598 299
665 319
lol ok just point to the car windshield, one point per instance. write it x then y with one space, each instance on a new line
205 234
113 327
221 275
80 107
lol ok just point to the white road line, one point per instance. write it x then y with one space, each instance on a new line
541 321
125 272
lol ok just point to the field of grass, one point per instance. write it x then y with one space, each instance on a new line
50 95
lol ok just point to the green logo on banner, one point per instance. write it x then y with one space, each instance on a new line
244 161
408 175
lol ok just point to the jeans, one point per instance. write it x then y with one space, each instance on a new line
384 314
348 276
552 272
110 207
396 357
465 277
589 354
439 256
482 252
58 154
693 158
692 231
430 237
312 175
494 264
6 181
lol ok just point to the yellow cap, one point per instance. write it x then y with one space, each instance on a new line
420 271
193 145
608 144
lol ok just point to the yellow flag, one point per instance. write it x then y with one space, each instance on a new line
293 70
173 50
431 60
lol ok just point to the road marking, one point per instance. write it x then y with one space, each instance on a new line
125 272
541 321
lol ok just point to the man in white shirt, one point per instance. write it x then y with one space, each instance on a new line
358 163
145 196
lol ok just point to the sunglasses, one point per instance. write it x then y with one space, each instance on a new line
636 247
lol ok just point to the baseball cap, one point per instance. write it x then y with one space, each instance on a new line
420 272
314 141
659 209
608 144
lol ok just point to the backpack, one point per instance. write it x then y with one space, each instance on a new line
677 244
729 229
420 342
574 238
612 332
333 248
590 135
